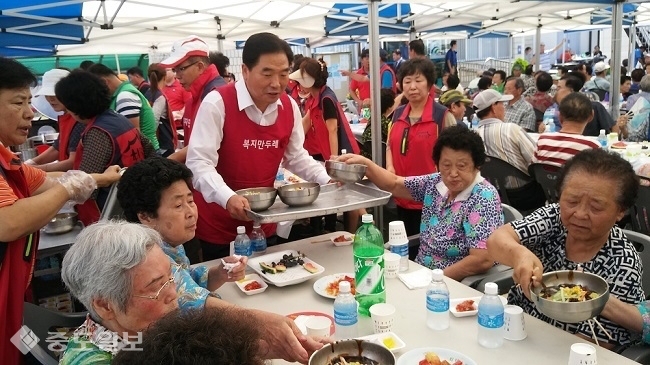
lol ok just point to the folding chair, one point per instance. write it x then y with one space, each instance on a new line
496 171
640 210
112 208
642 244
546 176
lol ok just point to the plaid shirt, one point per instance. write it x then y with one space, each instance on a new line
521 113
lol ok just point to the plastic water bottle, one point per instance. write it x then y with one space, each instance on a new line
490 318
345 313
279 178
368 248
437 302
466 122
550 125
549 113
258 239
475 121
602 139
243 245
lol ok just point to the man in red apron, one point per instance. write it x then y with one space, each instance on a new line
190 61
241 134
28 201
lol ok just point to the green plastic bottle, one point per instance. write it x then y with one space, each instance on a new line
368 250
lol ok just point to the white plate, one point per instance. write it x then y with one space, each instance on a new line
241 284
380 337
414 357
454 302
321 284
293 275
343 243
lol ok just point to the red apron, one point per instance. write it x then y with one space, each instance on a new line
206 82
249 157
16 269
66 124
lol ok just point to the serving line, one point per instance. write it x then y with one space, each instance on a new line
544 345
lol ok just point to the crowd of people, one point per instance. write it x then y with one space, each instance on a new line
180 206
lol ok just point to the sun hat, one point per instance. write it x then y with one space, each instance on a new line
303 78
191 46
50 78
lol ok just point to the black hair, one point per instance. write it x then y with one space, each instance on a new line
459 138
417 46
529 69
576 107
315 69
297 60
102 70
588 68
417 66
527 49
452 82
387 99
15 75
484 113
452 43
264 43
603 164
220 61
397 52
563 70
484 83
572 82
85 65
544 81
365 53
502 75
625 78
155 72
135 71
208 336
637 74
83 93
140 188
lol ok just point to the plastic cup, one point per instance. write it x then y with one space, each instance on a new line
582 354
397 232
391 264
318 326
514 328
383 316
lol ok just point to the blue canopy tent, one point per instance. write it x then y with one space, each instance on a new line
37 26
352 20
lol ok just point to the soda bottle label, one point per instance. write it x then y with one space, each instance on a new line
345 318
437 304
369 274
488 321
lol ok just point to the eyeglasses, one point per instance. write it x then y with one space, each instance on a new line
182 69
171 280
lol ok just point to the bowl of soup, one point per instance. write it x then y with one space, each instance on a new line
259 199
300 194
570 296
347 173
352 351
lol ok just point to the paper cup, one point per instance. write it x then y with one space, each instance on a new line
318 326
391 264
582 354
514 328
383 316
397 232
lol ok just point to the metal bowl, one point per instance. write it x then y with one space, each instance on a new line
347 173
572 312
61 223
300 194
260 199
370 350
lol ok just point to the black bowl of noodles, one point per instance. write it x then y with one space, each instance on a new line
353 352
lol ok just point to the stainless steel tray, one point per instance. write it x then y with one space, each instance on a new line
332 199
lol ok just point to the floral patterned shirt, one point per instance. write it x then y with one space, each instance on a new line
449 230
644 309
617 262
191 283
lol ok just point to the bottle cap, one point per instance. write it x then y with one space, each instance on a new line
241 229
438 274
602 131
257 225
344 287
366 218
491 289
344 151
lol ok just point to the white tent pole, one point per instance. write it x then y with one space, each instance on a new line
563 47
511 45
375 87
615 84
630 58
117 63
538 41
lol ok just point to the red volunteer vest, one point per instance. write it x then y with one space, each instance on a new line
66 124
249 157
363 88
127 150
317 137
16 268
411 146
206 82
386 68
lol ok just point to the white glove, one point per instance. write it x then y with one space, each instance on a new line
79 185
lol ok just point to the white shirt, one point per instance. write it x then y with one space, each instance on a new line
207 134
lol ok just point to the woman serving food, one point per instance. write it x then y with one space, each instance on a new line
596 189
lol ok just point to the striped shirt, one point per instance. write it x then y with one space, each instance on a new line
557 148
508 142
128 104
545 61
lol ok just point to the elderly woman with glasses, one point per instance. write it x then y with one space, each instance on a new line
118 271
460 208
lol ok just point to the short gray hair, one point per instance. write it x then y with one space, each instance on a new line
519 83
644 85
99 262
